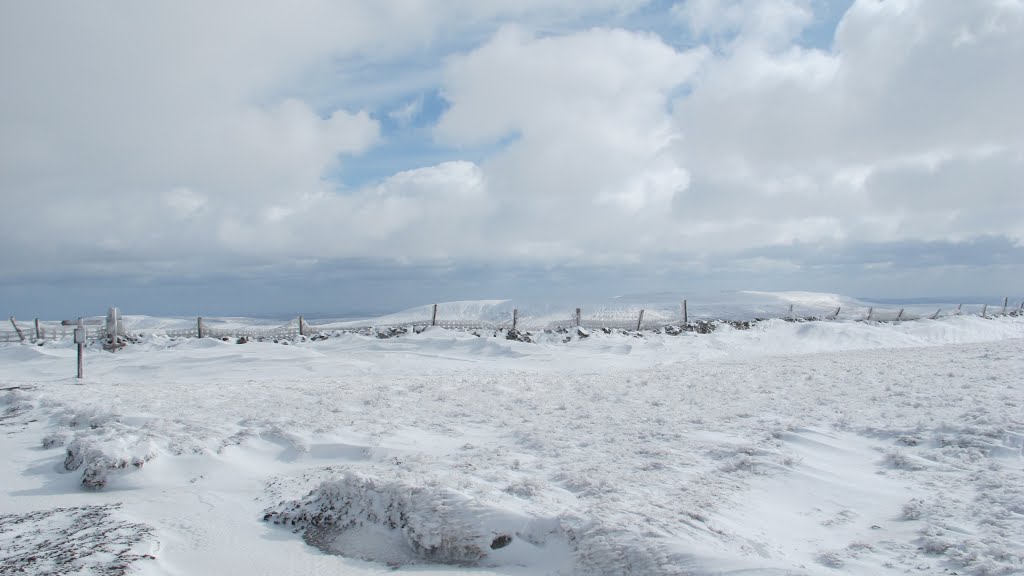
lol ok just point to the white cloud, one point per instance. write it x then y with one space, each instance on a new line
187 134
777 136
588 113
433 214
772 23
107 110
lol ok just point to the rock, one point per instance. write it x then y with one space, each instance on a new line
700 327
518 336
392 332
501 541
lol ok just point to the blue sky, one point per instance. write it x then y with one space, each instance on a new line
360 156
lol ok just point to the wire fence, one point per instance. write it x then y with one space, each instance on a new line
631 319
640 319
49 331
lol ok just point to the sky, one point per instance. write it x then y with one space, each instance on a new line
255 157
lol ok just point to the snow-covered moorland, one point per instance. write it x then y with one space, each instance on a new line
789 448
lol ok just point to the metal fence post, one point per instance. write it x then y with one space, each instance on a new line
80 338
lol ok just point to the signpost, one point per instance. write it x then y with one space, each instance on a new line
81 338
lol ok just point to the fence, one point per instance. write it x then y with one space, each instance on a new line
41 330
685 319
643 319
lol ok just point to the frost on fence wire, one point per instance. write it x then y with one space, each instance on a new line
632 319
271 333
616 319
52 331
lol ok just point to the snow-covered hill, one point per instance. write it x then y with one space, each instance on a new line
792 448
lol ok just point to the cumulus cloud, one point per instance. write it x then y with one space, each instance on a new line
217 137
124 120
437 213
590 135
900 131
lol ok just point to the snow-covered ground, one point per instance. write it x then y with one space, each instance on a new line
790 448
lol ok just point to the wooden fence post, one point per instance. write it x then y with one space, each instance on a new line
302 332
984 310
936 315
1006 301
515 317
686 318
113 328
900 315
640 320
790 312
578 317
871 309
836 315
433 317
958 307
39 332
199 327
21 335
